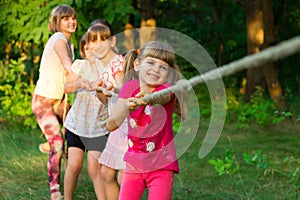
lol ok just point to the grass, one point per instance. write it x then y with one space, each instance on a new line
23 168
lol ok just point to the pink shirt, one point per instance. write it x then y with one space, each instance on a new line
150 135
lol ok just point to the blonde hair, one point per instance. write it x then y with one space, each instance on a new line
58 13
129 72
159 50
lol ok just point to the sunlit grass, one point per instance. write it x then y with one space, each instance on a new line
23 173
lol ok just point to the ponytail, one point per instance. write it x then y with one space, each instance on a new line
129 72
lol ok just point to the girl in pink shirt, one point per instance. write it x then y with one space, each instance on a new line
151 158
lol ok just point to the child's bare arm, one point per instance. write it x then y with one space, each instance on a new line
74 82
62 52
119 113
118 78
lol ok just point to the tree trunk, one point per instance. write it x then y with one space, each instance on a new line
129 39
130 33
270 72
218 17
148 22
255 37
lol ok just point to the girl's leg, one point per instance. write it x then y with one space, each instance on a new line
43 109
120 176
75 161
160 184
94 172
132 186
55 154
110 183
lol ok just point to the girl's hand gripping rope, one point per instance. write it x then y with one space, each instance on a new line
107 90
82 83
135 102
100 93
104 91
95 84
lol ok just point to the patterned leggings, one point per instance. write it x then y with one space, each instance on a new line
42 108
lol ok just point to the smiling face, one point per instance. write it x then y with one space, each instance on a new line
63 19
68 24
153 63
152 73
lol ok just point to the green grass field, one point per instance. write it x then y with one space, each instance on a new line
23 168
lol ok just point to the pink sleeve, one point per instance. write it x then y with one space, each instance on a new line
129 89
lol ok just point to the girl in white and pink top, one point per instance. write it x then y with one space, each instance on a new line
111 68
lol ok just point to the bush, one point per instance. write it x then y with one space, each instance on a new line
260 110
15 95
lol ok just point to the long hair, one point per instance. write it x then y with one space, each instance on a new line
58 13
129 72
82 44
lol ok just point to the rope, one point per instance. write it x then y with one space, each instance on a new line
274 53
282 50
101 89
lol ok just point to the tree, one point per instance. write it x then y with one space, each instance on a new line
270 72
147 25
260 35
148 21
255 38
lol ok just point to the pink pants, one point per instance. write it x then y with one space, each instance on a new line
159 184
44 112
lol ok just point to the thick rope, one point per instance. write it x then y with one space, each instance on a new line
271 54
274 53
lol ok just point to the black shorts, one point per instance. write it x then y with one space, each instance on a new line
85 143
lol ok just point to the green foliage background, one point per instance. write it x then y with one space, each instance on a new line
23 29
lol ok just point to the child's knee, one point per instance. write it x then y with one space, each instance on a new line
93 171
108 174
74 168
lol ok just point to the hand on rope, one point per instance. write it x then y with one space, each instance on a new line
103 90
83 83
107 91
138 100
